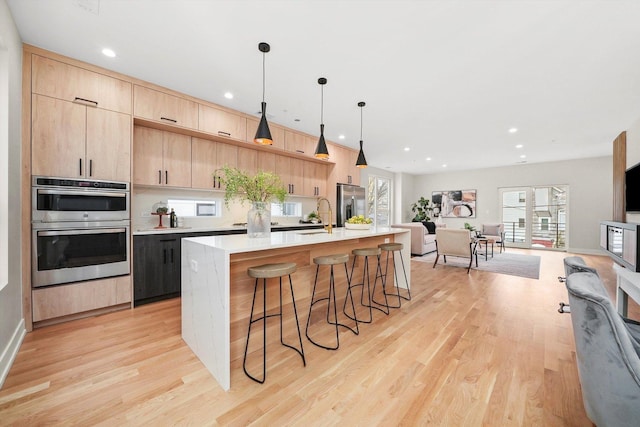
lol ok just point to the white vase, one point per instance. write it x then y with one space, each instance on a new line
259 220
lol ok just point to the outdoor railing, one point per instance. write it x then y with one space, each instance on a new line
549 235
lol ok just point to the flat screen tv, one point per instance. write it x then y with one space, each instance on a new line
632 189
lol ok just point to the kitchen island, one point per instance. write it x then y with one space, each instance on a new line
217 292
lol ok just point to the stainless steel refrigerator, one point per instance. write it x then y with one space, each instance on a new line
351 201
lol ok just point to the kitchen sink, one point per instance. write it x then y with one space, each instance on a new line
306 232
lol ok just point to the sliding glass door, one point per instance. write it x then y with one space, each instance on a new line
535 217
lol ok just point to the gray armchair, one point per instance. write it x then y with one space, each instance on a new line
494 232
607 349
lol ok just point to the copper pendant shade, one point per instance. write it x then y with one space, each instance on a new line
362 161
321 149
263 134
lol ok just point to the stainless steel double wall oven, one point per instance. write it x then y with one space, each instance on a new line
80 230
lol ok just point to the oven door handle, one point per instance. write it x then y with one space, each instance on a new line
76 231
82 192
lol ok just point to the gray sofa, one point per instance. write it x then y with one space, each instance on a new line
607 351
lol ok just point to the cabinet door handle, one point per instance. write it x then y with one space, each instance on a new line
224 133
90 167
171 255
164 256
300 151
159 177
166 177
80 167
214 181
168 119
84 101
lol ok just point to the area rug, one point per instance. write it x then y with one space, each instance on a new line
504 263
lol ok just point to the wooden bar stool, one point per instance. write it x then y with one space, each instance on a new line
330 260
392 248
265 272
366 283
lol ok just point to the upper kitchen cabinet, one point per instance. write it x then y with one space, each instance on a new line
299 143
71 140
162 107
291 171
277 133
315 179
161 158
207 158
222 123
70 83
345 170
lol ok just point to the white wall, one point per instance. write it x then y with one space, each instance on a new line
590 184
11 322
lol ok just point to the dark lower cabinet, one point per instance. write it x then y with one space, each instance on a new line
156 267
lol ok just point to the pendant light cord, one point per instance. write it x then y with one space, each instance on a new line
263 74
360 123
321 104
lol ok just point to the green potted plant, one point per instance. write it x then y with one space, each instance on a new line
259 189
421 209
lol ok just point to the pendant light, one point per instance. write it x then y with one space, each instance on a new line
263 134
361 162
321 148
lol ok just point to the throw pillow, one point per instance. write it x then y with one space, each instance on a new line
431 226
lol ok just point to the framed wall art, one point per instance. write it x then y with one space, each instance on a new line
454 203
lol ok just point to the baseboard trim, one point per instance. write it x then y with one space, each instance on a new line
586 251
11 351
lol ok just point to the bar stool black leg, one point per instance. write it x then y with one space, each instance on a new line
368 303
331 301
295 313
264 332
263 318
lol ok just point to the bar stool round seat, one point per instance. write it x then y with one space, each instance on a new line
366 252
264 272
392 248
331 260
366 298
267 271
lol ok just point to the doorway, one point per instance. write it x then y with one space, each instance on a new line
535 217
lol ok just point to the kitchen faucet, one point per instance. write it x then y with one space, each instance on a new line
327 227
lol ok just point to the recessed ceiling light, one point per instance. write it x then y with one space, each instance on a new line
108 52
340 136
428 159
444 166
519 146
522 156
228 95
513 130
407 148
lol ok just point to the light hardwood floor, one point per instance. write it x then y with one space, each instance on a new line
468 350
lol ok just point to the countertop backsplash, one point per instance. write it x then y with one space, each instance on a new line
143 199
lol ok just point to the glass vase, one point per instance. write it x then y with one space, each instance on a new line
259 220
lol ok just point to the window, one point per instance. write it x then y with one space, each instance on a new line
521 222
378 200
195 208
544 224
286 209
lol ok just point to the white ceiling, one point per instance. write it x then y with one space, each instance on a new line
446 79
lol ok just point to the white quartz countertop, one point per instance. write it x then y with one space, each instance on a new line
238 243
151 230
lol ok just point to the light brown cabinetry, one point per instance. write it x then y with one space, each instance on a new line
67 82
221 123
291 171
315 179
277 133
161 158
73 140
162 107
64 300
248 160
299 143
345 170
207 157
